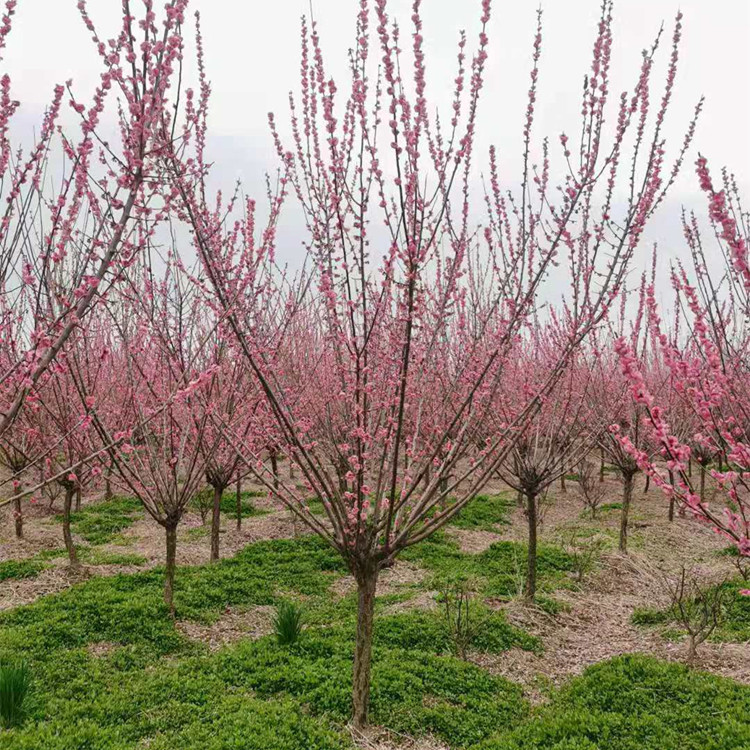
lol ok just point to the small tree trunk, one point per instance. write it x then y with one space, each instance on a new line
563 488
366 584
647 485
721 461
292 475
239 503
692 649
690 467
703 482
67 536
530 591
216 523
171 530
627 494
601 464
18 514
108 485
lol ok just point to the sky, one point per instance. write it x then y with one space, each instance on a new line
252 55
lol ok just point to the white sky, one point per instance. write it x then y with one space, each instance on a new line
252 51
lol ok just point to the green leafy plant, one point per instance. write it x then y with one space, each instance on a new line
15 680
287 622
485 512
101 522
18 569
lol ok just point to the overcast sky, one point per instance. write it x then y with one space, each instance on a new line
252 51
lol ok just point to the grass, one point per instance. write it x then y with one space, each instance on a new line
254 694
485 512
102 522
152 687
636 703
20 569
15 680
609 506
287 622
97 556
500 569
229 504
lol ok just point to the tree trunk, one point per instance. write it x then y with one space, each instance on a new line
648 484
275 469
171 529
67 536
366 583
443 489
670 516
563 488
601 464
530 591
108 485
239 503
690 467
18 514
627 494
703 482
216 523
692 649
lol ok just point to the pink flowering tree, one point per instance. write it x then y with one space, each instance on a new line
67 237
561 432
70 456
709 371
160 439
411 312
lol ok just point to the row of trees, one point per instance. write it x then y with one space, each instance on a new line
151 337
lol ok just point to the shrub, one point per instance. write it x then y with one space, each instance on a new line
15 680
287 622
